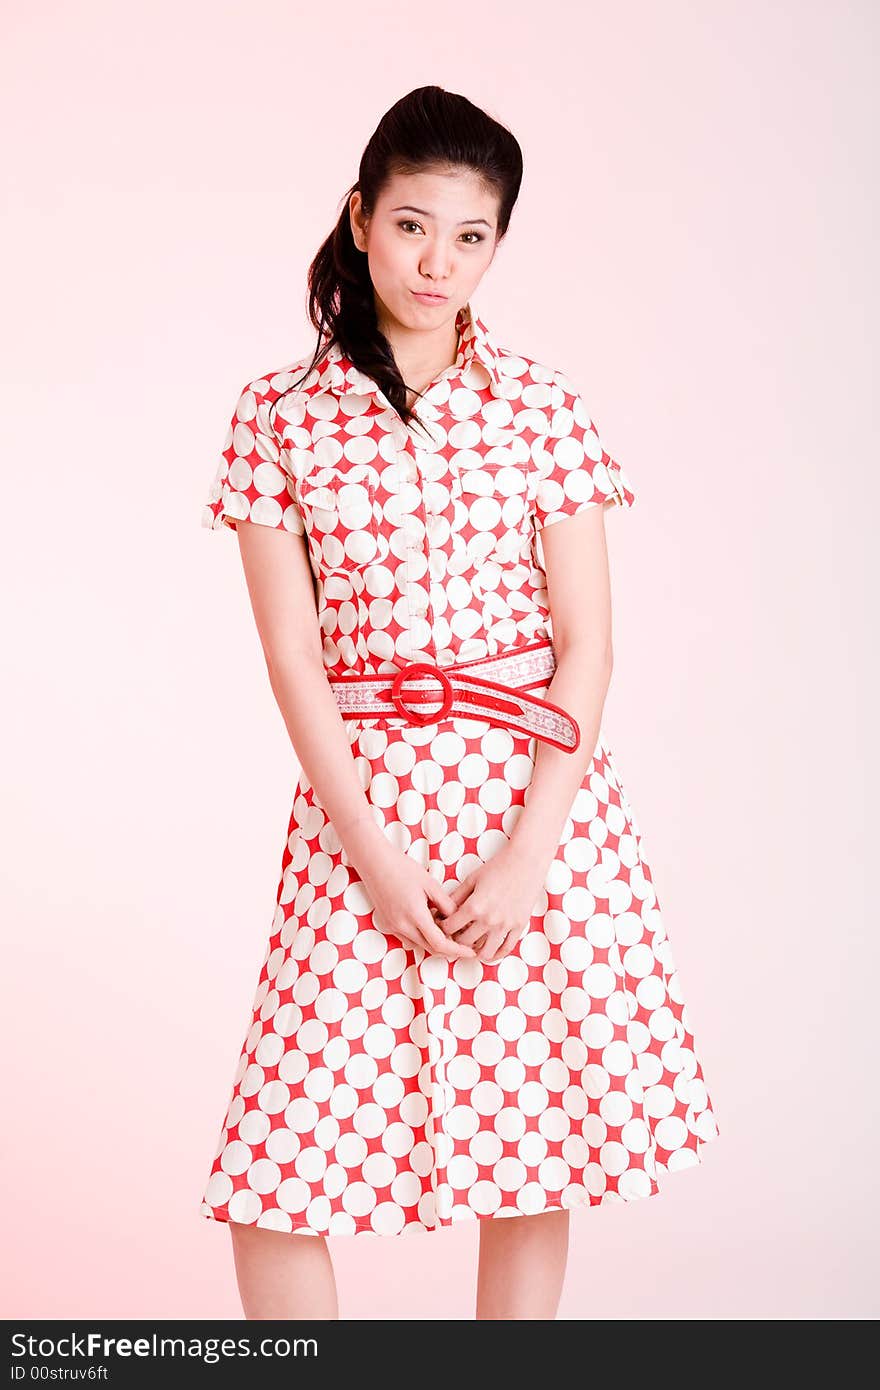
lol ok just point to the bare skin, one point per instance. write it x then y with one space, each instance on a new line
522 1266
519 1276
282 1274
436 232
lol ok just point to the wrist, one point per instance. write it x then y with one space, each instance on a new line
533 841
359 835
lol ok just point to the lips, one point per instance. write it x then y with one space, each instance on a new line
433 298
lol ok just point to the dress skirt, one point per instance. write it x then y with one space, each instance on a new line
384 1089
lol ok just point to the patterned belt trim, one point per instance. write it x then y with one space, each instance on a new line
498 693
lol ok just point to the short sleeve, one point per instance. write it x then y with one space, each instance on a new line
253 481
575 470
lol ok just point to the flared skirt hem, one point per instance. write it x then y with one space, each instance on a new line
342 1225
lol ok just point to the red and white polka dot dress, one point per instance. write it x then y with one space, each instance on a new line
381 1088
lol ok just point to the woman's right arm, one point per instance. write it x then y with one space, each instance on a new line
282 594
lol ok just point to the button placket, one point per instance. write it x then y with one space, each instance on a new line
415 589
412 440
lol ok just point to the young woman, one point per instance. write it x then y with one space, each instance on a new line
468 1009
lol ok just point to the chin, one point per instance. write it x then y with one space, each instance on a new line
414 314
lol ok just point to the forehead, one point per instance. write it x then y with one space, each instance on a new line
444 195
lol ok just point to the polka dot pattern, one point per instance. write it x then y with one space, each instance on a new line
383 1089
425 543
380 1088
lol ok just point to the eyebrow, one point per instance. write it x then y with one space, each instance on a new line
407 207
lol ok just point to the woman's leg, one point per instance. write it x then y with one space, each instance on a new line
283 1274
522 1265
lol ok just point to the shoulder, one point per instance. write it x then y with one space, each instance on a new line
281 391
546 387
543 380
287 409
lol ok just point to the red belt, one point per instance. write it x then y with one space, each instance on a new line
492 688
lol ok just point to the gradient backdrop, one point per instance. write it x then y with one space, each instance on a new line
695 245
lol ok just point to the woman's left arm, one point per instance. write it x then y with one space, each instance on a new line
494 902
579 591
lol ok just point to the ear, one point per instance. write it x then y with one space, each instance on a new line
355 217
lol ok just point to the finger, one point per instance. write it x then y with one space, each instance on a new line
492 951
462 920
450 925
405 938
458 917
411 935
470 933
444 898
446 901
450 949
441 944
508 942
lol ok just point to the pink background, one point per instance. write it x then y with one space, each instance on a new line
695 245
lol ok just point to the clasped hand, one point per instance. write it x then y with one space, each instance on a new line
482 917
494 904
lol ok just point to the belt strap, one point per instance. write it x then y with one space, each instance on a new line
498 694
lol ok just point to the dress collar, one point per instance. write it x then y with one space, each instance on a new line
475 344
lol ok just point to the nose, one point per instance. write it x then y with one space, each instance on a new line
435 262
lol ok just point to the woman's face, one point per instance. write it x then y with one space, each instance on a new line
430 232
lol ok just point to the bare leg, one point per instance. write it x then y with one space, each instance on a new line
282 1274
522 1265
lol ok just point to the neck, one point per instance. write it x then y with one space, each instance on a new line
421 356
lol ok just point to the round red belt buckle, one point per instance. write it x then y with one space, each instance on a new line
417 668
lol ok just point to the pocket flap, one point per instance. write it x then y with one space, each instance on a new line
492 478
320 496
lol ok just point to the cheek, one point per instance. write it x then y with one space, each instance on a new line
388 257
473 266
485 255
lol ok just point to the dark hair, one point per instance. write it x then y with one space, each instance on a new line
427 128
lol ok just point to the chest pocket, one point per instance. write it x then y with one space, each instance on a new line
340 514
494 508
